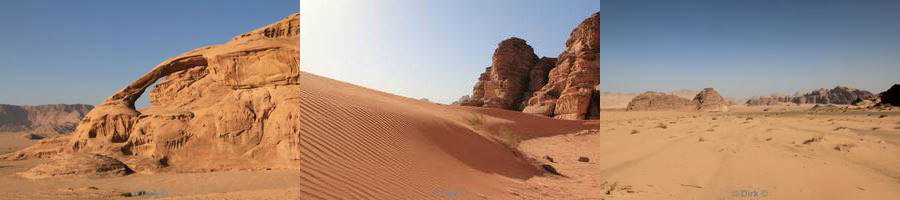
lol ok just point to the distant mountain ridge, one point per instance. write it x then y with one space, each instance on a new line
837 95
44 120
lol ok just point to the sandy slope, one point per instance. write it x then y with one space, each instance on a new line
360 143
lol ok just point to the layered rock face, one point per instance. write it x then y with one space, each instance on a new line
232 106
769 100
42 120
514 74
594 107
650 101
79 165
890 97
838 95
570 87
709 100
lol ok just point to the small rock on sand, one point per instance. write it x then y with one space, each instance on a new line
584 159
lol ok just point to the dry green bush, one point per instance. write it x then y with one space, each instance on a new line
476 120
507 136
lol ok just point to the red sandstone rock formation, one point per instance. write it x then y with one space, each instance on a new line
569 90
514 71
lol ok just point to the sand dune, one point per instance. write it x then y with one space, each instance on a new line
360 143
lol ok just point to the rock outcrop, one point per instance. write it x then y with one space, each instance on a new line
594 107
709 100
651 101
769 100
837 95
232 106
515 73
891 97
570 87
78 165
42 120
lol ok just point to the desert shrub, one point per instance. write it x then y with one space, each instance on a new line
475 120
507 136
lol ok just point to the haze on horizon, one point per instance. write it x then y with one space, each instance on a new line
73 52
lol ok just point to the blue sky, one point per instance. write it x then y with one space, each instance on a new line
82 52
748 48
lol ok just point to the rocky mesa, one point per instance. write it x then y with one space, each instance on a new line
42 120
707 100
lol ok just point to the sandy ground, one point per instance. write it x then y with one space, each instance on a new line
358 143
13 141
747 154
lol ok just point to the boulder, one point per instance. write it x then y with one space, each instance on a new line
650 101
584 159
891 97
709 100
78 165
570 85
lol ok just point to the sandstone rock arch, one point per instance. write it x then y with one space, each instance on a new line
231 104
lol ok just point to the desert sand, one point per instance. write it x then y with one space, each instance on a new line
359 143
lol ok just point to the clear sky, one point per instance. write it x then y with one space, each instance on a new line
748 48
84 51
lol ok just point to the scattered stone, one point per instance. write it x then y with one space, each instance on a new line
814 140
882 116
636 131
844 147
661 125
840 128
32 136
701 139
768 139
550 168
548 158
584 159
